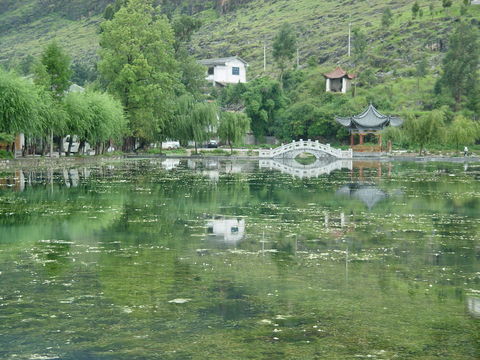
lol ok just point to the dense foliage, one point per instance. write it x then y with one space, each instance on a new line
138 66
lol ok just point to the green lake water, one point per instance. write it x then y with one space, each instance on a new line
206 259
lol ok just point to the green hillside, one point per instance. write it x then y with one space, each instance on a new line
241 27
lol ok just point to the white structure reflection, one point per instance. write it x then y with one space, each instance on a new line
473 306
294 168
170 164
228 230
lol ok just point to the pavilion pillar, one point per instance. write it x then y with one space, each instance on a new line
352 142
361 139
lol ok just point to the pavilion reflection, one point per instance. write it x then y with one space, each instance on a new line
363 169
294 168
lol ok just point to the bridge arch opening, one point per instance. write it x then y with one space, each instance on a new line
306 158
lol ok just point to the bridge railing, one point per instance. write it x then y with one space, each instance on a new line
306 145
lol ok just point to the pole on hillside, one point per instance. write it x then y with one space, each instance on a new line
349 39
264 56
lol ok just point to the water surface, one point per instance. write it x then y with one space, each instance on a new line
177 259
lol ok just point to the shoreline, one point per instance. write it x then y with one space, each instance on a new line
73 161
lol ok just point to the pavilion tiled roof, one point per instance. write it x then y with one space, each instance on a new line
370 119
338 73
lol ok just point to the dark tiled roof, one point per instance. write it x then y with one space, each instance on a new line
371 119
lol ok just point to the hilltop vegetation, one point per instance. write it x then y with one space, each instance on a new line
240 27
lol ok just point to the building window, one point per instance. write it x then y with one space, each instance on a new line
211 70
235 71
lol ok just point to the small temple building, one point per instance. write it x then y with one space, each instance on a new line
338 81
371 121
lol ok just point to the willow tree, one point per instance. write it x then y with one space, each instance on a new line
94 117
52 119
80 117
463 131
233 127
18 106
138 66
108 121
426 129
195 121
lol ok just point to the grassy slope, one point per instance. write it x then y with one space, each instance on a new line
322 26
26 26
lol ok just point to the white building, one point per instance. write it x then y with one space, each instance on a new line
223 71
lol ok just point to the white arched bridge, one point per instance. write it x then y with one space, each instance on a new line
295 148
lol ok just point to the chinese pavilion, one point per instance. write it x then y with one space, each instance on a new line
338 80
369 122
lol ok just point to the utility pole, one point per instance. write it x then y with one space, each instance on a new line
264 56
349 38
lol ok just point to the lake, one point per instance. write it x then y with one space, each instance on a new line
217 259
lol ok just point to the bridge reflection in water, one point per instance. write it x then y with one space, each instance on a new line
294 168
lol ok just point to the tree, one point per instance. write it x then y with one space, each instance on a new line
446 4
83 73
421 71
426 129
359 44
194 120
53 74
111 9
415 9
387 17
264 100
184 27
232 127
18 105
463 131
284 47
107 122
138 66
80 117
94 117
192 74
460 76
54 70
52 119
26 65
